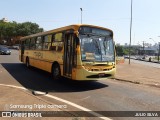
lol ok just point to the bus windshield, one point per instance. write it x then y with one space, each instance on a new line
97 48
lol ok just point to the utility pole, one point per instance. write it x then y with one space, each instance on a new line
158 54
81 14
143 48
130 34
158 51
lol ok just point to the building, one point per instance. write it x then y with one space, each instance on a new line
4 20
142 50
149 51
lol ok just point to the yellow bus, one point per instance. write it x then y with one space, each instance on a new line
78 52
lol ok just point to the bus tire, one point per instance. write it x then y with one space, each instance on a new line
27 62
56 72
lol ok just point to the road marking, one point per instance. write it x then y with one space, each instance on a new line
79 107
13 86
85 98
65 101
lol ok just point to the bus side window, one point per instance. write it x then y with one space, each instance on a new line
47 42
39 43
58 39
32 43
27 41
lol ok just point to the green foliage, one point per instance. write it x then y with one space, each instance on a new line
126 51
8 30
28 28
121 50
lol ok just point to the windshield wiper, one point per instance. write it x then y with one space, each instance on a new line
104 45
98 46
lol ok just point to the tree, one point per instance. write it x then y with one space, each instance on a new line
120 50
28 28
10 30
124 50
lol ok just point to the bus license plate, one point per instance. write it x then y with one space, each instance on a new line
101 74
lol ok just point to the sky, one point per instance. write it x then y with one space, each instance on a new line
112 14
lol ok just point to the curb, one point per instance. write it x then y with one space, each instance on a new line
136 82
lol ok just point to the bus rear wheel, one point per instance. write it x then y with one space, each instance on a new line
56 72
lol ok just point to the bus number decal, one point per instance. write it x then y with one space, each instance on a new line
38 54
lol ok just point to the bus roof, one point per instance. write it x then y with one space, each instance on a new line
74 27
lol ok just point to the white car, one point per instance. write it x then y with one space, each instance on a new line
16 46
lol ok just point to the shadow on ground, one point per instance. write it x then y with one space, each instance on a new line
36 79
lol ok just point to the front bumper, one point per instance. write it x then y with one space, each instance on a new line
83 74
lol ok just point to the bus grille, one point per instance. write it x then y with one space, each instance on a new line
99 69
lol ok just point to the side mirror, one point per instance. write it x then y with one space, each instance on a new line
77 40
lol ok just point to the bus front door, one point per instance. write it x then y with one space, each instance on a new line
22 51
68 55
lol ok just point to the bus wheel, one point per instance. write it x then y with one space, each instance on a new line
27 62
56 72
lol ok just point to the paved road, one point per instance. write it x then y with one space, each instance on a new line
109 95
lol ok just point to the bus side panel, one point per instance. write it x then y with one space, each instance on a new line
44 65
45 61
